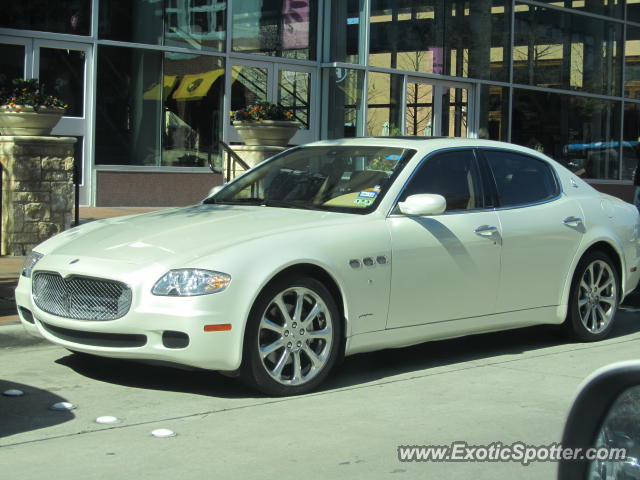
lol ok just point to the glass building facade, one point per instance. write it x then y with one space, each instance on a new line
150 83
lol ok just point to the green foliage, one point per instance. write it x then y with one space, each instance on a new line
262 111
27 93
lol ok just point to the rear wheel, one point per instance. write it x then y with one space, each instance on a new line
292 337
595 293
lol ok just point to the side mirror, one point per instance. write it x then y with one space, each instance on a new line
604 423
215 190
423 204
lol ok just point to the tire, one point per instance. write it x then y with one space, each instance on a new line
594 298
292 338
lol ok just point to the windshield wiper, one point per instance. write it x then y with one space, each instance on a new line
237 201
267 202
282 203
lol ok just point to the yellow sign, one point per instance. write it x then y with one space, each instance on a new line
196 86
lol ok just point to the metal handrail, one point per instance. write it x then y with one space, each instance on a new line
236 160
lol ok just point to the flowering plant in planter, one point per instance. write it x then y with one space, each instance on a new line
265 123
262 111
24 110
26 93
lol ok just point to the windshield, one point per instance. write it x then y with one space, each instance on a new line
341 178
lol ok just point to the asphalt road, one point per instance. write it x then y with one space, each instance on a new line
507 387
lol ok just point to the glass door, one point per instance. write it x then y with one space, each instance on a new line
62 68
434 108
288 85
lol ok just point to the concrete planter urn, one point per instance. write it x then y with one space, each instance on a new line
267 132
21 120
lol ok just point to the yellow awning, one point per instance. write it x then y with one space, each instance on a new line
154 92
196 86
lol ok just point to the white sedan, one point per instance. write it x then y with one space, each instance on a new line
337 248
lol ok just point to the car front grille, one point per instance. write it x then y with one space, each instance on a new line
81 298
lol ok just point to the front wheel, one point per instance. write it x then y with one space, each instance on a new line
594 298
292 337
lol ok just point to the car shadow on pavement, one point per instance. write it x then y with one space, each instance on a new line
356 370
363 368
156 377
30 411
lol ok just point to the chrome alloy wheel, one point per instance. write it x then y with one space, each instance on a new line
597 296
295 336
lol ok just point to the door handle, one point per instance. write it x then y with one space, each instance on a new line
572 221
486 230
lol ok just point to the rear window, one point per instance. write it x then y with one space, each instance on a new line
521 179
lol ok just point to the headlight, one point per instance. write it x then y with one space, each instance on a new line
188 282
30 262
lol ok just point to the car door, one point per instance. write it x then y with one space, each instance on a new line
445 266
541 230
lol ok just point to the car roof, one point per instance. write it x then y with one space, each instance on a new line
422 143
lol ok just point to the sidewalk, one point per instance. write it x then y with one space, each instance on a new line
10 267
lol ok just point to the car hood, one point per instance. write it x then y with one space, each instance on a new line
178 235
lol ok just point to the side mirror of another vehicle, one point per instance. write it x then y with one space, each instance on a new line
423 204
604 425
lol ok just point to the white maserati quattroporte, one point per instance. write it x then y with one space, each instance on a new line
336 248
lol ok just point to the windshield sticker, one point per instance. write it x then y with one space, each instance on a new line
393 157
368 194
363 202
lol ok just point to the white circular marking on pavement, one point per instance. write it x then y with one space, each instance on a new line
107 419
13 393
63 406
163 433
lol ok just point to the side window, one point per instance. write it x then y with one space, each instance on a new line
451 174
521 179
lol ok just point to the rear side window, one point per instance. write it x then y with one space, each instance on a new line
521 179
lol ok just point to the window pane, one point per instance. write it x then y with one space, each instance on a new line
406 35
282 28
346 28
633 10
452 175
139 21
294 93
582 133
632 63
631 145
128 106
198 24
66 16
455 105
345 98
11 64
563 50
192 93
419 110
520 179
249 85
494 113
476 38
384 104
609 8
453 37
62 75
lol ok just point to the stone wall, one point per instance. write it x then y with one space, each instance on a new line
37 190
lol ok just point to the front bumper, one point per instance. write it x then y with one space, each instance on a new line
143 333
